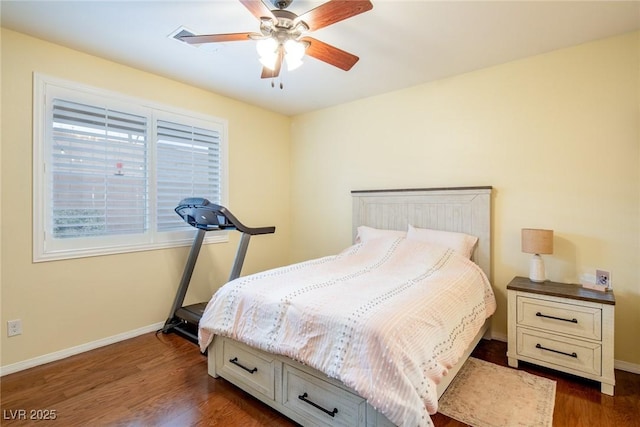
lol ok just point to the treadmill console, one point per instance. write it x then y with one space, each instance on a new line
201 213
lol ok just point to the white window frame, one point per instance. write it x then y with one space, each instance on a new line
45 248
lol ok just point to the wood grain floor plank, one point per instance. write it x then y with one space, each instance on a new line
162 381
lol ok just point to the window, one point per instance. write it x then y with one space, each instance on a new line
109 171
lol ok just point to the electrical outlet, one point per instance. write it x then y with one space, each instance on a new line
603 278
14 327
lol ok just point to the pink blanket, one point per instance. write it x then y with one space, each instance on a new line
387 317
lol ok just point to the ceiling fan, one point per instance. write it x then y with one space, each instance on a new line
283 34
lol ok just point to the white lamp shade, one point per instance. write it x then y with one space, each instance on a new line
268 51
294 63
294 49
267 47
294 52
269 61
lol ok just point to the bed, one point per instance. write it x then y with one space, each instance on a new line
372 335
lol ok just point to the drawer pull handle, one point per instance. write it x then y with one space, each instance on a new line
235 362
538 314
574 354
304 396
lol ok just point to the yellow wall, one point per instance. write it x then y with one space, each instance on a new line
68 303
556 135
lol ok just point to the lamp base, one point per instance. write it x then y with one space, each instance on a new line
536 269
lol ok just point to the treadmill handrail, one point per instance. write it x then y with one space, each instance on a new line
231 222
240 226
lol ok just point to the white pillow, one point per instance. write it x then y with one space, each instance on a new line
369 233
459 242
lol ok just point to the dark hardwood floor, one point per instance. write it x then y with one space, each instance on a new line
162 381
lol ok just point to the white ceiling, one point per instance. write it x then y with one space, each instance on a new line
400 43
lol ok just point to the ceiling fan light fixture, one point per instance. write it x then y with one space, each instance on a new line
294 52
293 63
294 49
269 62
267 47
268 51
282 36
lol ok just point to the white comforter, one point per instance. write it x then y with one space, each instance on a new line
387 317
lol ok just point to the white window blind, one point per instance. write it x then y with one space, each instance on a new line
99 171
109 171
188 160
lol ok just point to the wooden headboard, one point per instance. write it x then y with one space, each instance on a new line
461 209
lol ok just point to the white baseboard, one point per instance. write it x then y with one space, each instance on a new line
498 336
62 354
634 368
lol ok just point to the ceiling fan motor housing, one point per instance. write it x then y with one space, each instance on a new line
281 4
283 27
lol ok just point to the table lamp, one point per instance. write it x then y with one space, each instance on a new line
537 242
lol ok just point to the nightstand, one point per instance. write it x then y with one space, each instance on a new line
562 326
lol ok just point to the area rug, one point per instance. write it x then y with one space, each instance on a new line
484 394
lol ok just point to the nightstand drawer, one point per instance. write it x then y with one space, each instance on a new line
576 320
565 352
320 400
249 366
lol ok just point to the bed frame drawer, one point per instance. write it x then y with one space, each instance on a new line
579 321
248 366
321 401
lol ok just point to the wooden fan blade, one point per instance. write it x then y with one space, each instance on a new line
257 8
267 73
333 11
330 54
216 38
